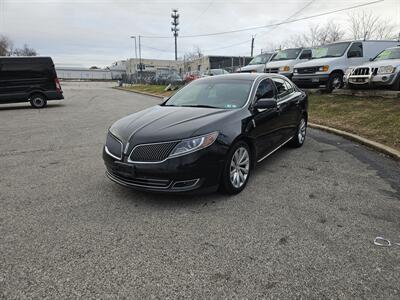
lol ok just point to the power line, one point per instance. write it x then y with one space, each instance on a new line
269 25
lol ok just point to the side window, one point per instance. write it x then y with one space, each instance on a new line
282 87
356 50
265 90
306 54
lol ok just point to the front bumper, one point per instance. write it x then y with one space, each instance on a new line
200 170
371 80
310 80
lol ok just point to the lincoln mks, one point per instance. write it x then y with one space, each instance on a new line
209 134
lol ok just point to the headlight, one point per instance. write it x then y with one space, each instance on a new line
386 69
294 70
194 144
323 69
284 69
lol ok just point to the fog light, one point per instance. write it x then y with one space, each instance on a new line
185 184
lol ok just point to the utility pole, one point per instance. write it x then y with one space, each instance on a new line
140 61
175 29
252 45
134 37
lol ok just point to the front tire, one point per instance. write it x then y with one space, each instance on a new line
237 169
300 135
335 81
38 101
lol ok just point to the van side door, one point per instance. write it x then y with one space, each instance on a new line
355 54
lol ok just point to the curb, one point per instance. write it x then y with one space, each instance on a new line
138 92
374 145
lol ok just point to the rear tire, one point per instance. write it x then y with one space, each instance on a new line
300 136
237 169
38 101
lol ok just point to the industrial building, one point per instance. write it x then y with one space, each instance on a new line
83 73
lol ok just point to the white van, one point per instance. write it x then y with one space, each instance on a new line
330 62
257 64
284 61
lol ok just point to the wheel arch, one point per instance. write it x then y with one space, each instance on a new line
250 142
37 92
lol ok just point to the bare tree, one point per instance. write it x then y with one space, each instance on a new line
194 54
317 35
366 25
6 46
25 51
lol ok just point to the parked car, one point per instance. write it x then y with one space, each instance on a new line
213 72
284 61
190 76
329 63
210 133
383 70
257 64
32 79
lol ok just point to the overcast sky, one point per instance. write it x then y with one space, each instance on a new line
97 32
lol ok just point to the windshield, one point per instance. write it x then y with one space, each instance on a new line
287 54
331 50
221 93
260 59
392 53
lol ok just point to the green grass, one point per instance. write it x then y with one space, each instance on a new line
376 119
147 88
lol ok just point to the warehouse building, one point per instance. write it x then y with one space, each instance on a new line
73 73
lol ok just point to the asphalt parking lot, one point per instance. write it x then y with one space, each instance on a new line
303 228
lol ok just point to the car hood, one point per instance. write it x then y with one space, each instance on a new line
167 123
252 68
280 63
317 62
380 63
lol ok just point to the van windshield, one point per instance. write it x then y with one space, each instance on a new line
287 54
331 50
391 53
260 59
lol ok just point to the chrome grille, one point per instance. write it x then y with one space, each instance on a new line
114 146
361 71
141 182
272 70
309 70
152 152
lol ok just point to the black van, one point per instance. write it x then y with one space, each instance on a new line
32 79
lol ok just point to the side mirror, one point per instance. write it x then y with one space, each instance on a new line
265 103
371 59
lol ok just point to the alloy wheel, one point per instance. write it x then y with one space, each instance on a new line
239 168
301 135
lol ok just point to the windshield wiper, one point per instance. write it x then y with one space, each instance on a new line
199 105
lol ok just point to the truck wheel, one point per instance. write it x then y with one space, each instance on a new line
335 81
38 101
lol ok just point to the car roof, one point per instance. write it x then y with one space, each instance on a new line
242 76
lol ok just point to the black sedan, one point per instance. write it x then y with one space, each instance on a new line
209 134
